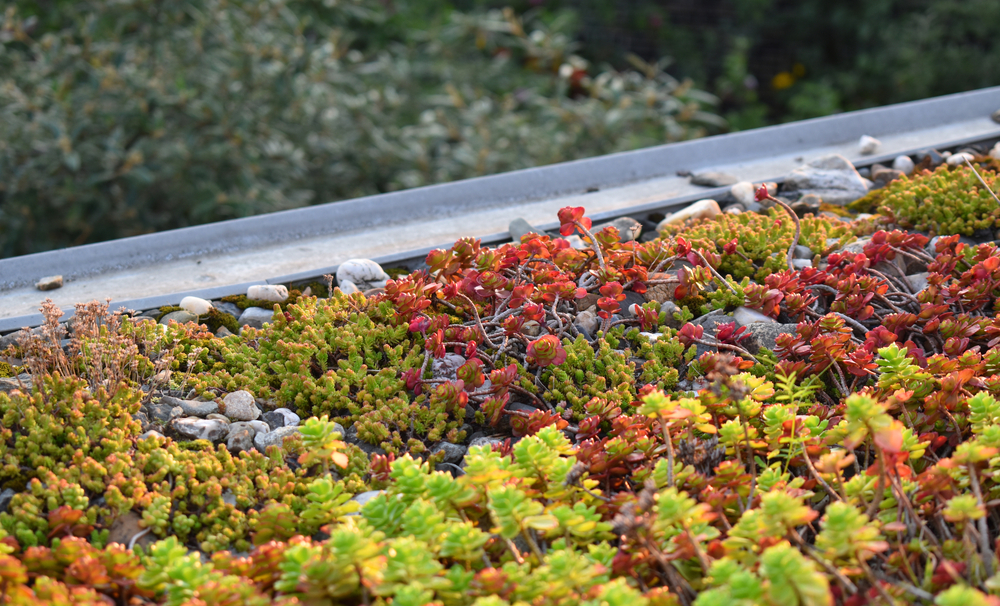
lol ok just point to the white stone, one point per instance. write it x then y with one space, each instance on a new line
702 209
348 288
744 192
268 292
959 159
734 210
995 152
196 305
577 242
867 145
745 315
273 438
256 317
447 367
200 429
363 273
903 164
652 337
833 178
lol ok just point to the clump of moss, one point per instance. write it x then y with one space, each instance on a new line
6 370
762 240
166 309
215 318
397 272
294 294
949 200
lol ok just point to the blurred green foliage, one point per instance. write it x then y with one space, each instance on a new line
123 117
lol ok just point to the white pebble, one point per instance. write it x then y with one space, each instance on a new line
903 164
744 192
268 292
995 152
348 288
196 305
364 273
702 209
959 159
868 145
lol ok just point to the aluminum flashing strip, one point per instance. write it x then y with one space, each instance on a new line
223 258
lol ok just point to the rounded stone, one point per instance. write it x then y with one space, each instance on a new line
362 274
200 429
196 305
702 209
273 438
256 317
453 453
744 192
281 417
275 293
240 438
903 164
868 145
240 406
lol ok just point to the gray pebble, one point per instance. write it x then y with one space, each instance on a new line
200 429
273 438
240 406
518 228
281 417
192 408
713 179
240 438
453 453
256 317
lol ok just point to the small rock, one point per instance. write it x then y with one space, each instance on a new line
995 151
669 308
361 274
628 228
519 228
589 321
453 453
181 317
223 332
932 156
734 209
256 317
917 281
713 179
200 429
652 337
49 283
21 382
857 247
702 209
262 427
586 302
227 308
273 438
763 334
5 497
125 527
745 316
275 293
868 145
959 159
883 175
192 408
240 406
577 243
218 417
150 434
807 204
744 192
163 413
240 438
281 417
631 298
753 207
447 367
803 252
801 263
531 328
490 441
196 305
903 164
833 178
